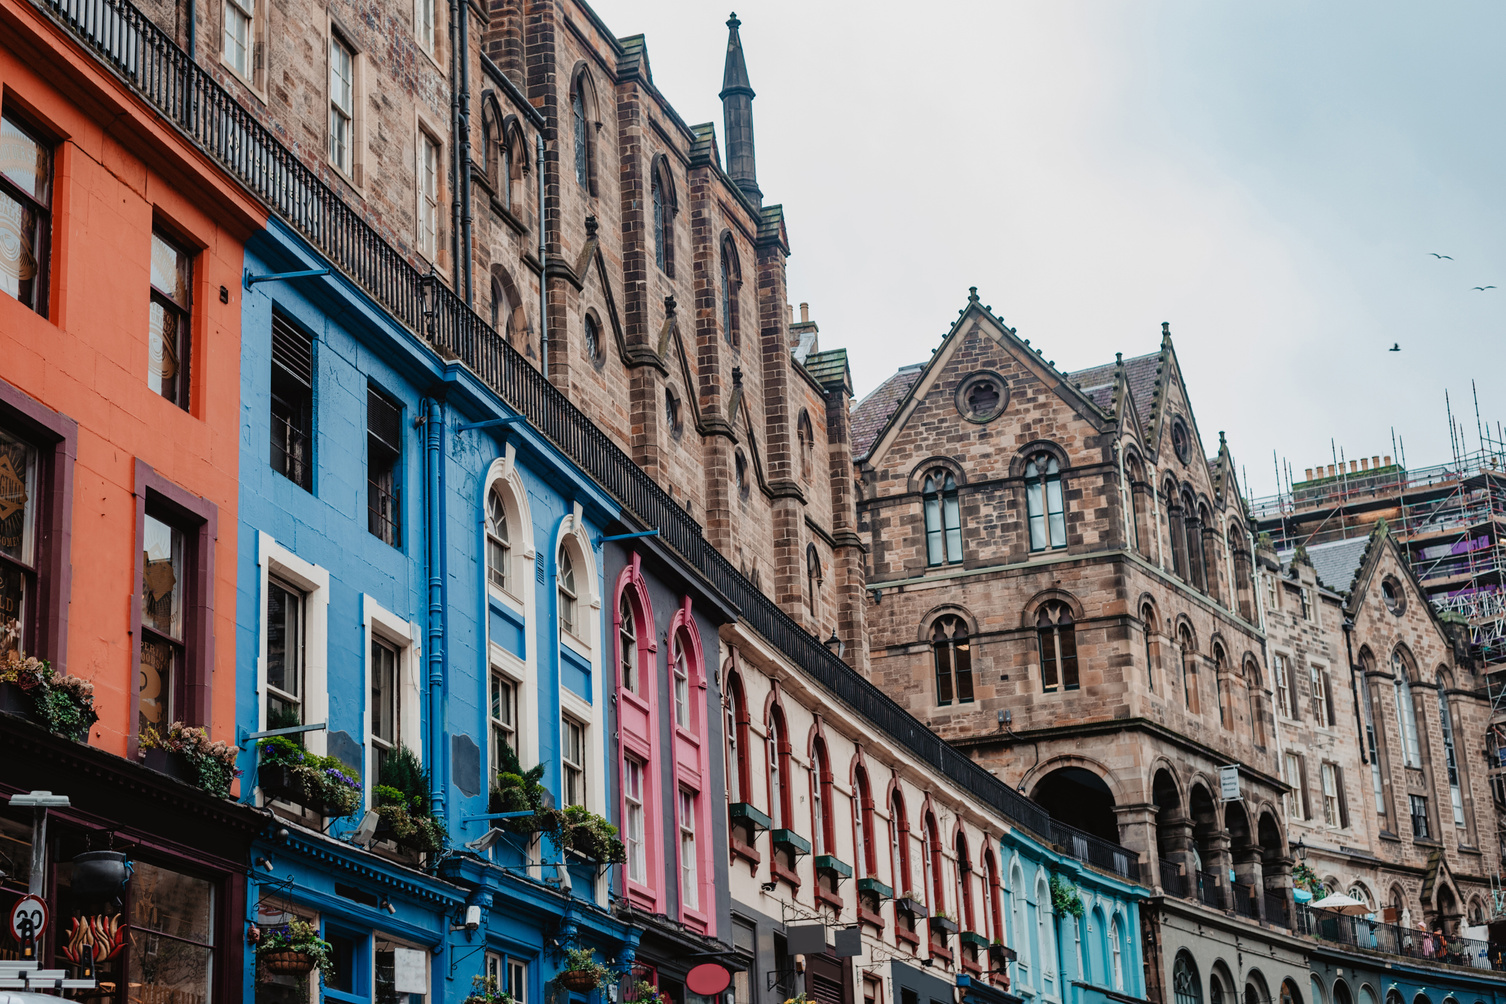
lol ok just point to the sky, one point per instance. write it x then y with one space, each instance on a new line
1271 179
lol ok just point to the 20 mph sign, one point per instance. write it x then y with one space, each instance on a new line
28 919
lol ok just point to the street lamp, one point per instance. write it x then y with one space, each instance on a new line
38 802
834 645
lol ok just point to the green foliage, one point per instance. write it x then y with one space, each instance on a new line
402 772
324 777
583 960
299 936
1064 898
402 800
591 835
213 762
418 830
1303 877
286 718
485 990
63 705
518 790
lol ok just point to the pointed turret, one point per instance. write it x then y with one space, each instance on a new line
737 109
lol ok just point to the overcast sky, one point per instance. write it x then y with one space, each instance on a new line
1268 177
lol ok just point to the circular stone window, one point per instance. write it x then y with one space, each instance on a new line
1392 596
982 397
1181 442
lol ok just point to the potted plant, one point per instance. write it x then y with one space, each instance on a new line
911 904
517 790
941 922
798 999
582 972
294 949
320 783
402 804
644 992
593 837
63 705
186 752
484 990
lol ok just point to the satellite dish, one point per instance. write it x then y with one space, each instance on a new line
708 979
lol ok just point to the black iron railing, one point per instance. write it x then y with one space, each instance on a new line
1393 939
1275 910
1172 879
1210 890
155 67
1244 901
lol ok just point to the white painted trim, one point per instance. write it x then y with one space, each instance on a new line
274 559
379 622
523 672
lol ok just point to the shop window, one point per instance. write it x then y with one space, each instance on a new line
19 505
169 957
25 204
350 981
401 974
511 975
384 455
292 403
169 338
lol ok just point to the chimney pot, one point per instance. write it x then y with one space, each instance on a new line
1388 460
1354 467
1364 463
1375 461
1331 471
805 313
792 312
1309 474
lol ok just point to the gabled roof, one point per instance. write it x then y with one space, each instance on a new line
1336 562
872 413
1097 382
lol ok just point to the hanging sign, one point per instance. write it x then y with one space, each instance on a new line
28 919
1228 783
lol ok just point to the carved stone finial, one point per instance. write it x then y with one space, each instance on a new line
737 376
972 294
669 306
591 226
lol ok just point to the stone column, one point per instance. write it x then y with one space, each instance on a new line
1276 871
1248 870
1137 833
1219 861
1174 832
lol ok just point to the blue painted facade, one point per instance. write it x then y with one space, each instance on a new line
426 596
1077 960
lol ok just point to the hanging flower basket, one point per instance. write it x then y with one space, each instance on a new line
287 962
578 980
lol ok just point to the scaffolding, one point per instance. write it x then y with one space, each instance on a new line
1450 522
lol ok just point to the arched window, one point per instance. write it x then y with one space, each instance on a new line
504 181
1057 641
822 836
1185 986
931 854
1019 924
1148 619
953 660
863 853
656 197
729 292
779 761
994 916
1218 686
943 518
681 673
1252 700
1446 726
567 594
1044 504
501 308
964 883
807 442
899 853
627 645
739 784
812 578
1045 936
1176 528
498 545
1192 526
1116 951
1406 712
1189 670
578 115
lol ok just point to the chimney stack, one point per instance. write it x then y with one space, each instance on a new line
1309 474
805 313
1388 461
1364 463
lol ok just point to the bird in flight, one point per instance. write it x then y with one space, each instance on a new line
1395 347
1435 254
1483 288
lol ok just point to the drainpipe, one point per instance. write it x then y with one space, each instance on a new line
193 31
457 273
1354 690
464 166
434 535
543 266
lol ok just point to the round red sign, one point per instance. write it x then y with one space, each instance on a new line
708 979
28 918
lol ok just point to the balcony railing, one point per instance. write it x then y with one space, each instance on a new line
1393 939
1244 901
127 41
1172 879
1275 910
1210 891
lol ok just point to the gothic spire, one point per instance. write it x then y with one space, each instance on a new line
737 109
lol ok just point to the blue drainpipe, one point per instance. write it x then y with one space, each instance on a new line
434 535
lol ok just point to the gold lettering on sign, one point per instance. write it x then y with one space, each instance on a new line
12 492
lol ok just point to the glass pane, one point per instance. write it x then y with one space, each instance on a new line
170 270
162 578
1054 495
963 659
284 645
165 348
1058 529
942 653
18 497
166 971
25 161
1038 533
12 609
383 692
19 265
172 903
155 685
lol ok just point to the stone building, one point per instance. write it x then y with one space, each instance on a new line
1062 585
1376 712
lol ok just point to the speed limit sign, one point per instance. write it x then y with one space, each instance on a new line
28 919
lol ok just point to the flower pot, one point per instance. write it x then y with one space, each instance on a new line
98 876
287 962
281 782
577 980
174 765
14 700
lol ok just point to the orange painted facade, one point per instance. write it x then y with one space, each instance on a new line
118 173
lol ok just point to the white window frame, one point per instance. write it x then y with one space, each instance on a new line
274 560
238 9
687 804
511 973
1291 769
581 769
1318 679
425 25
427 190
379 623
631 804
1333 813
1285 685
347 166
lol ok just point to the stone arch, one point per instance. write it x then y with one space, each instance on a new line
918 473
1079 792
945 610
582 84
1033 605
1023 454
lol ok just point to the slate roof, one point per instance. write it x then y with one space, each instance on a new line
1098 381
1335 561
872 413
829 367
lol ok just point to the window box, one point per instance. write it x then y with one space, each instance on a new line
13 700
1001 954
280 782
746 812
913 907
829 864
174 765
796 844
975 939
941 922
874 887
